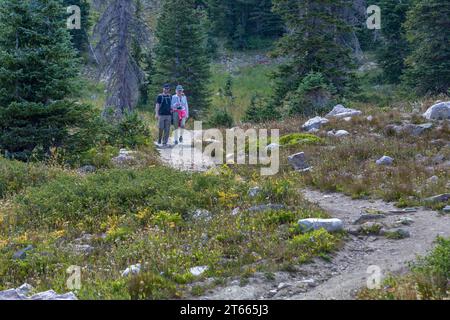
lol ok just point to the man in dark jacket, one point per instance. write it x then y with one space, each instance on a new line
164 115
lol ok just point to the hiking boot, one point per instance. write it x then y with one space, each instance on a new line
181 139
175 142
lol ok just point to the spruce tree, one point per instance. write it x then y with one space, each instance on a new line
313 44
428 32
37 61
394 48
181 52
37 70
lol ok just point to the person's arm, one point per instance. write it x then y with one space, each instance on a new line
187 108
173 103
158 104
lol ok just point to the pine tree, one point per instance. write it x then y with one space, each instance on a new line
238 21
181 52
37 70
428 32
37 62
313 45
394 47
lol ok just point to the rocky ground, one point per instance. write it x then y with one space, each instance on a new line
347 270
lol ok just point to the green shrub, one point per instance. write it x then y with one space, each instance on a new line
313 96
299 138
221 118
313 243
32 129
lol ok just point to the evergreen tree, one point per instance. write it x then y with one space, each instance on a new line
428 32
394 47
37 70
37 62
313 45
240 21
181 52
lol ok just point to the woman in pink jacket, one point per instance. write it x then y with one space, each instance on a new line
180 113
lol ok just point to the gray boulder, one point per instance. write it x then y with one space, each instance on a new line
439 198
298 161
22 293
439 111
385 161
446 209
340 111
331 225
409 128
314 123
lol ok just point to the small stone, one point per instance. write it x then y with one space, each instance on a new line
87 169
22 254
446 209
369 118
341 133
273 146
433 180
198 271
385 161
202 214
133 270
235 211
253 192
406 221
331 225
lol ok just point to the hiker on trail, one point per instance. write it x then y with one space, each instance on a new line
164 115
180 113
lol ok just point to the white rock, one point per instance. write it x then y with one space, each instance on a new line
340 111
197 271
385 161
314 123
133 269
341 133
369 118
331 225
439 111
272 146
